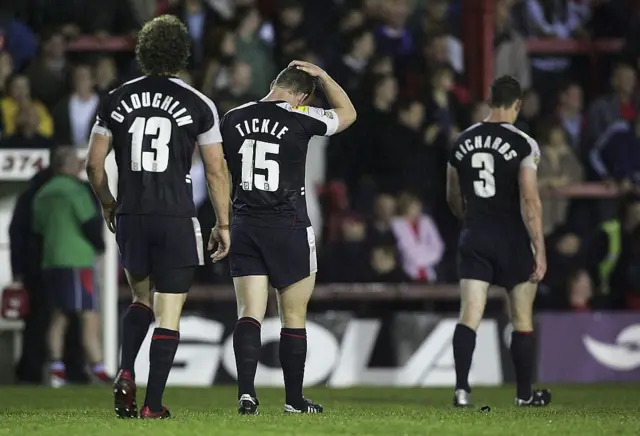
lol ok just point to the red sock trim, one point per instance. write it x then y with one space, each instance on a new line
249 321
293 336
524 332
140 306
165 337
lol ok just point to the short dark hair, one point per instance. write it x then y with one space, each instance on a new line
505 91
163 46
296 81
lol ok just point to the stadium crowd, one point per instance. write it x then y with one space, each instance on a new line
376 192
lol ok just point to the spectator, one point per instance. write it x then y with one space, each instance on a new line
347 261
349 154
26 135
77 17
48 74
479 112
529 116
399 155
379 229
290 32
239 90
203 23
510 48
105 73
570 114
17 39
349 69
626 274
385 267
581 295
74 116
252 39
620 104
441 109
435 33
553 19
392 37
419 242
70 234
616 155
559 167
18 95
6 71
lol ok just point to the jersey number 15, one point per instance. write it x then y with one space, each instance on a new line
254 157
153 161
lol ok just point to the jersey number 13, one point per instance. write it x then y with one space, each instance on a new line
254 157
486 186
153 161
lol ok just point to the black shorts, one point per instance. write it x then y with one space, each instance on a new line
168 249
72 289
286 256
497 256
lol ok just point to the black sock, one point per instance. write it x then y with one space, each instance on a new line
164 344
135 325
523 354
246 347
293 354
464 342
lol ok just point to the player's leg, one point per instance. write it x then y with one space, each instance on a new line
523 345
292 306
473 298
177 251
171 287
131 234
252 292
293 273
476 271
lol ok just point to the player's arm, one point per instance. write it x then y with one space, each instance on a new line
531 207
99 148
218 184
341 106
454 195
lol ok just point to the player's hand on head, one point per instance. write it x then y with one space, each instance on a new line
220 240
308 68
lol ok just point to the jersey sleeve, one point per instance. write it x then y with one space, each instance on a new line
210 127
532 159
102 124
317 121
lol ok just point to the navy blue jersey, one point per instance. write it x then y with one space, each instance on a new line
488 157
155 123
265 145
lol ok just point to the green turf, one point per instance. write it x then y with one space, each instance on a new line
595 410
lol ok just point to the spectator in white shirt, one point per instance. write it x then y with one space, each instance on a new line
74 115
419 242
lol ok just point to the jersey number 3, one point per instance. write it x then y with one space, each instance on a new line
259 149
155 161
486 186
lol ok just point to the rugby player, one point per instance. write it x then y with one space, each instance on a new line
492 187
153 124
265 144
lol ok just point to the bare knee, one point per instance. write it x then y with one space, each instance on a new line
168 309
522 321
471 315
294 318
251 311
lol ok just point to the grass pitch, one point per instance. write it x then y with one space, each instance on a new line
87 411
